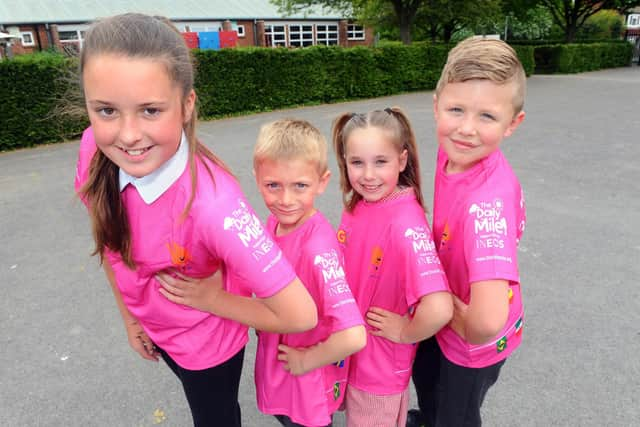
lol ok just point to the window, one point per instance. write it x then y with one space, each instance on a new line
197 26
327 34
240 30
275 35
300 35
634 20
72 34
68 36
27 38
355 32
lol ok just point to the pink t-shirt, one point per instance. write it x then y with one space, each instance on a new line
308 399
391 263
220 231
479 216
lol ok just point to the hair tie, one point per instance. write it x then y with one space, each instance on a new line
388 110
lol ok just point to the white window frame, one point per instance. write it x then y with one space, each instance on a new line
282 34
200 26
78 29
355 32
327 40
240 31
634 20
30 35
305 38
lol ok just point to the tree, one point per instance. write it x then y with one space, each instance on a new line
443 18
570 15
404 10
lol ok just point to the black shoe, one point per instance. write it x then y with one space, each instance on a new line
415 418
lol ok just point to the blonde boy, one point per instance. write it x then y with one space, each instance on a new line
301 378
478 218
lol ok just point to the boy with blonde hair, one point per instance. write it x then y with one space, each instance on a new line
478 219
301 378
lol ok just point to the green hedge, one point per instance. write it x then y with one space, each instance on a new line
576 58
254 79
30 89
525 54
232 81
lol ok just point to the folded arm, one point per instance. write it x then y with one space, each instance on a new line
289 310
339 345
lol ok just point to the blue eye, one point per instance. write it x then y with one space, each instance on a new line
106 111
301 185
151 111
488 116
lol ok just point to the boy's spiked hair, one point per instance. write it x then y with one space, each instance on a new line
485 59
287 139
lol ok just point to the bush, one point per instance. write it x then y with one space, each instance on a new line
30 89
275 78
604 25
575 58
525 54
231 81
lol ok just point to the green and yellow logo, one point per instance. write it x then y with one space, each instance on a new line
501 344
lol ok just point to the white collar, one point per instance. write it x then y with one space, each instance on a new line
152 186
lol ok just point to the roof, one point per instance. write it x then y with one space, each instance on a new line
74 11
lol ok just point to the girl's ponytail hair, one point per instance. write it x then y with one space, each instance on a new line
349 197
395 123
410 176
109 222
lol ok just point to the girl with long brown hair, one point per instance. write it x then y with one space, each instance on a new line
161 203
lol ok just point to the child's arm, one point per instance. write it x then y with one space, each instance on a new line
432 312
299 361
289 310
138 338
486 314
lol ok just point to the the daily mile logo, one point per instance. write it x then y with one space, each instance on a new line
489 225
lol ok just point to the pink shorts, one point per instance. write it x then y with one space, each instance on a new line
365 409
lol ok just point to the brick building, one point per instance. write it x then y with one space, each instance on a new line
36 25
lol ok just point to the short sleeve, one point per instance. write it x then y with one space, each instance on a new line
336 300
234 234
85 154
491 231
422 271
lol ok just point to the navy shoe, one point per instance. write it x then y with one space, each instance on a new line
415 418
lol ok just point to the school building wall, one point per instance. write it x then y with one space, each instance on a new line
68 36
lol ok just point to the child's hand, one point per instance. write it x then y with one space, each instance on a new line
293 359
140 341
387 323
200 294
459 319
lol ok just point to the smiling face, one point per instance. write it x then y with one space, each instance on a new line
137 113
472 118
289 188
373 163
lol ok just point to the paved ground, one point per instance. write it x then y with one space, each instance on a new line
64 358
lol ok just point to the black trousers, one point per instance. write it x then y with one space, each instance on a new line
212 393
450 395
